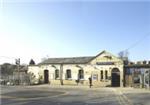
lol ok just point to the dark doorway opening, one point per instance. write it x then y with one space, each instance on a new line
115 80
46 76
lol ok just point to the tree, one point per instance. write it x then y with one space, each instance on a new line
31 62
32 78
45 58
7 69
124 55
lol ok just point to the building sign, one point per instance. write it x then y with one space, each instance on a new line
105 63
94 77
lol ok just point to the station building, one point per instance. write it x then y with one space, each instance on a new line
105 69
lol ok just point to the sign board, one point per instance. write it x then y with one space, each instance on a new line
94 77
105 63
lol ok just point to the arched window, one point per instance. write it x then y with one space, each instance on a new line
106 74
68 74
56 74
81 74
101 74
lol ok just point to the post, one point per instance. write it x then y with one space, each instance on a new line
90 81
18 69
61 74
149 79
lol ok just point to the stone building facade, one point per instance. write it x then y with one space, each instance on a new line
137 74
105 69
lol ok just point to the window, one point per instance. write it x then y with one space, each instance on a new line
101 74
106 74
68 74
81 74
56 74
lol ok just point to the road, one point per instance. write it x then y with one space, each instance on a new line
66 95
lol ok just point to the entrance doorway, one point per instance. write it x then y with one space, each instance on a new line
115 77
46 76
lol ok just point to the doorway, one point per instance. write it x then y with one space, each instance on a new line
46 76
115 77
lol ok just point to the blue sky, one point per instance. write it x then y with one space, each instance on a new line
78 28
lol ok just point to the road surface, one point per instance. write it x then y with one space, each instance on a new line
72 95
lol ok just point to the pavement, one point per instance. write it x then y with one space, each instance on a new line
136 96
74 95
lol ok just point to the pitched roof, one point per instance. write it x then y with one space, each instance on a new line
69 60
72 60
